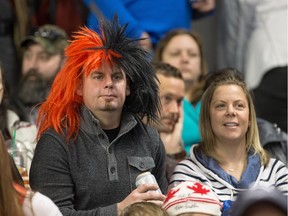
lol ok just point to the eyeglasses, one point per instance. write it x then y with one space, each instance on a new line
49 34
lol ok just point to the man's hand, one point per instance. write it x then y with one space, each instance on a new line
173 141
143 193
204 5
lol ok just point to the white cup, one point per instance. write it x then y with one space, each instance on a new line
146 178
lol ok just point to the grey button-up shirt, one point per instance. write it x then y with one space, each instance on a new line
90 175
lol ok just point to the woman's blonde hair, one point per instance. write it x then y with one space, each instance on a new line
228 76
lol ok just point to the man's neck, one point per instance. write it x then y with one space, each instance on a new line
109 120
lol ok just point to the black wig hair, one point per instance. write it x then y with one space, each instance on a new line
134 61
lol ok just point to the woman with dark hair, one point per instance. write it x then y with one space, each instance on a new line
230 157
14 198
183 50
14 130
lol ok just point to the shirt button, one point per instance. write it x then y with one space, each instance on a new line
112 169
141 165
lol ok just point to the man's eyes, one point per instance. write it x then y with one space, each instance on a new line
44 57
114 77
117 77
97 77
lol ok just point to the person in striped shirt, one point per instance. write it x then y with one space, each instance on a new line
230 158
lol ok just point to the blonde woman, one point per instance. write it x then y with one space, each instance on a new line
230 157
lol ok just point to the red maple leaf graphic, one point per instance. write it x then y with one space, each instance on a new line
198 188
170 195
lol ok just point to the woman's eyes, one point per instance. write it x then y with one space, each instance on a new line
236 106
190 54
240 106
220 105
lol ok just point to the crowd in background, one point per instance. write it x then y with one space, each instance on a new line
94 93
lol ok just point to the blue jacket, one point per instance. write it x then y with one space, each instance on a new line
153 16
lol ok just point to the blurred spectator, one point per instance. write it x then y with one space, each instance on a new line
253 39
8 55
149 19
260 201
19 136
183 50
69 15
143 209
273 140
192 198
43 57
16 200
171 92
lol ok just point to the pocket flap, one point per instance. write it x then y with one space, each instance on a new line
141 163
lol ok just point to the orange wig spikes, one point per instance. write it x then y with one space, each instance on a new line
85 53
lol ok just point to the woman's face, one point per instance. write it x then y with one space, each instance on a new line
229 113
1 87
183 52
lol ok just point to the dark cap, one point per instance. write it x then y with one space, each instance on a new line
251 197
51 37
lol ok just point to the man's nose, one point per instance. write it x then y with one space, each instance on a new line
108 82
174 107
33 63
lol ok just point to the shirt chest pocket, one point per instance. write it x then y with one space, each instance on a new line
139 165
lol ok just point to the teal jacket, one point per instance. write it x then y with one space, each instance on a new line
191 132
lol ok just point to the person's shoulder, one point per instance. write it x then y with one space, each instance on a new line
38 204
152 132
275 162
277 166
12 117
51 132
51 138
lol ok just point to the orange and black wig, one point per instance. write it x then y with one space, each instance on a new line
85 53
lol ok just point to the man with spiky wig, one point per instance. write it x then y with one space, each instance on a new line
92 143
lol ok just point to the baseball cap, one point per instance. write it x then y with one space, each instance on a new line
51 37
192 197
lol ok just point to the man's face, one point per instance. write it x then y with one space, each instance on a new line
38 72
171 95
104 90
36 58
